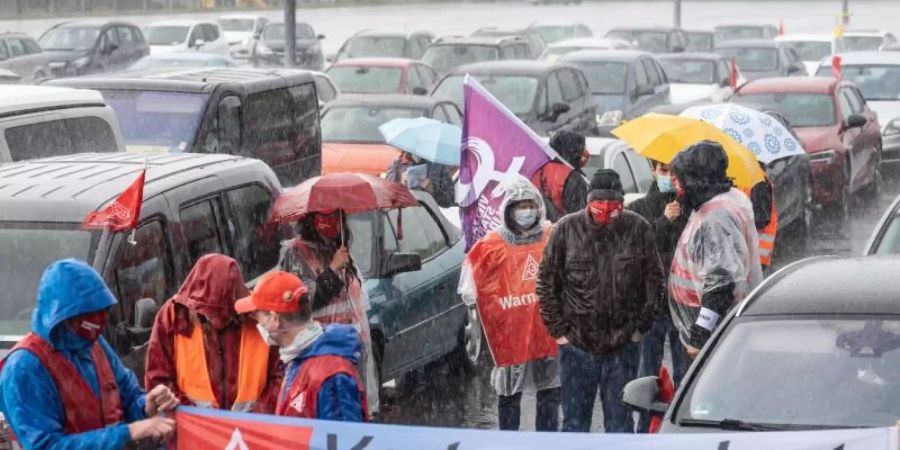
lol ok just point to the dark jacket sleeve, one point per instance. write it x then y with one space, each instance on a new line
550 283
160 367
655 286
328 285
761 198
575 192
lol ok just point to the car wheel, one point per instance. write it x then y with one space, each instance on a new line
469 354
38 76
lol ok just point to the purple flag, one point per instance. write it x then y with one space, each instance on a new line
495 145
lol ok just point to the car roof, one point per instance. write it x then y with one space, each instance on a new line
742 25
476 40
397 100
201 79
554 23
179 22
375 62
690 56
18 34
188 56
812 85
605 55
805 37
654 28
748 43
588 42
510 67
829 285
90 23
866 58
242 16
386 33
17 99
65 188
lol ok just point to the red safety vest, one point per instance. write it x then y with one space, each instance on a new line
551 181
303 392
84 411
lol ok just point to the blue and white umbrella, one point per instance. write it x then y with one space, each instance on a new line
427 138
764 135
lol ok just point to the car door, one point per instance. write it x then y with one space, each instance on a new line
218 43
852 141
201 215
194 36
16 57
5 61
576 96
870 133
556 95
427 75
414 84
658 81
114 51
641 98
129 46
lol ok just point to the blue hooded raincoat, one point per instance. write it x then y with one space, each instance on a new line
28 396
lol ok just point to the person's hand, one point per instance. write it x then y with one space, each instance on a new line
692 351
156 429
562 341
340 260
159 399
673 211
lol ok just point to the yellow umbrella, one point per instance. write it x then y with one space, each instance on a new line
661 136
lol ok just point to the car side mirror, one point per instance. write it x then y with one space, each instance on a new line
677 49
198 43
856 121
645 91
556 110
794 69
111 47
402 262
642 395
726 82
419 90
320 37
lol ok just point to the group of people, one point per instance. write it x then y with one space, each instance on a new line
613 284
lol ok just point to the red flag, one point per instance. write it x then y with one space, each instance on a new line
734 75
123 213
781 27
666 395
836 66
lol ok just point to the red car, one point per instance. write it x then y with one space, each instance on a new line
382 76
839 132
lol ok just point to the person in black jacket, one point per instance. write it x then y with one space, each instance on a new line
665 214
564 188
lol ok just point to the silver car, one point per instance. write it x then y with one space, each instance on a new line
21 55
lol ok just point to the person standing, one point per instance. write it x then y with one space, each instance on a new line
321 379
562 185
503 265
63 386
716 262
661 208
204 352
600 288
436 179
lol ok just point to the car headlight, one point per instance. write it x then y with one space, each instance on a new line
610 118
825 156
892 128
263 50
81 62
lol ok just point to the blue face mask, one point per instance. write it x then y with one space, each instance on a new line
665 184
525 218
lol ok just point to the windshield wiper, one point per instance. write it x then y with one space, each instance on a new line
737 425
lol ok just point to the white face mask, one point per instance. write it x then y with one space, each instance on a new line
266 335
525 218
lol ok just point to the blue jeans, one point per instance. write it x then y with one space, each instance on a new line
652 350
582 374
547 418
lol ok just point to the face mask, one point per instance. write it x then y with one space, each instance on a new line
328 226
605 211
679 189
665 184
89 326
266 335
525 218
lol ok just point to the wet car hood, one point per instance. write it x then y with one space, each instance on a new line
818 138
237 37
302 44
887 110
609 102
65 55
689 93
346 157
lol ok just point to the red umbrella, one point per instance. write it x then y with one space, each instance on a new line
349 192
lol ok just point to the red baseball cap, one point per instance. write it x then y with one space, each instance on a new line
278 292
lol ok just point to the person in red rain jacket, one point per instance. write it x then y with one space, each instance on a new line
199 346
563 187
321 379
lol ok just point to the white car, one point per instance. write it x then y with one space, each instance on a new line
559 49
698 77
811 47
185 35
240 31
867 40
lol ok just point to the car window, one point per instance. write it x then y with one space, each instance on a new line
212 32
414 80
16 48
426 75
568 82
306 116
125 36
583 31
453 114
144 270
652 74
439 114
201 230
522 51
421 234
620 165
4 52
660 72
60 137
508 52
640 76
137 34
325 90
641 169
112 36
196 33
856 98
554 91
415 48
270 130
256 243
846 106
32 46
724 72
890 39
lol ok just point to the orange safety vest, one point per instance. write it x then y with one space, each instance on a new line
767 234
192 372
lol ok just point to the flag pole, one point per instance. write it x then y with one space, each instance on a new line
131 236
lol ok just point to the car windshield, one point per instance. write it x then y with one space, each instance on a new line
815 373
166 35
734 33
875 82
862 43
889 242
366 80
800 110
375 46
648 40
276 32
359 123
360 225
699 42
156 120
447 57
690 71
26 249
236 24
554 33
810 50
70 38
515 91
606 77
753 59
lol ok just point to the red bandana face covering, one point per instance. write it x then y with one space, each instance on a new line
89 326
328 225
605 211
679 189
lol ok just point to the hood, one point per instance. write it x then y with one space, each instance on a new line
609 102
302 44
337 340
237 37
64 55
165 49
519 188
340 157
690 93
211 289
887 110
817 138
68 288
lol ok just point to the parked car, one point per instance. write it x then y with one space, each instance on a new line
760 58
268 49
653 40
867 40
269 114
877 75
183 60
385 44
182 35
546 96
9 77
725 33
812 47
351 141
838 131
822 361
698 77
40 121
92 46
240 29
885 240
383 76
326 90
624 83
700 41
536 43
21 55
448 53
562 48
553 32
633 169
